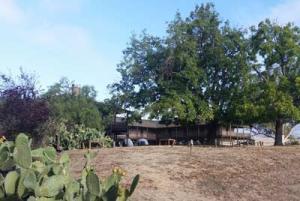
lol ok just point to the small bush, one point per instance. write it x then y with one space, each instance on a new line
76 136
293 141
105 141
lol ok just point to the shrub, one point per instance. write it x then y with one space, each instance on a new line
74 136
79 136
77 105
293 141
105 141
22 109
38 175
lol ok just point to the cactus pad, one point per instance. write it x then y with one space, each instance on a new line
93 183
22 152
10 182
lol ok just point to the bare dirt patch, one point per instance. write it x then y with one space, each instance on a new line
170 173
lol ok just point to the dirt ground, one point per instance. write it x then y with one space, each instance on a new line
171 173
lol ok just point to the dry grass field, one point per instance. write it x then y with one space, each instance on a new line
171 173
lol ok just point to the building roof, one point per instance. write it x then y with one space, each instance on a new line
146 123
152 124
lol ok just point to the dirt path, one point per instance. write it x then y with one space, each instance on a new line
209 174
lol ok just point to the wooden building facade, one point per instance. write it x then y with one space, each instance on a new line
154 131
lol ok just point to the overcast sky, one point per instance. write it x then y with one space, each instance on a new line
83 39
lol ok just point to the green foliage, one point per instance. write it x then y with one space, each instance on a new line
194 74
46 177
92 182
78 136
108 110
78 108
10 182
22 109
275 53
104 141
206 70
22 152
293 141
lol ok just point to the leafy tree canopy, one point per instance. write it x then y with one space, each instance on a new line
194 74
76 108
22 109
275 56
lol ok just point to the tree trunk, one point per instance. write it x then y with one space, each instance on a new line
278 132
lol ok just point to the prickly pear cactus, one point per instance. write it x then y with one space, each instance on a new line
50 155
21 187
93 183
30 180
22 152
11 182
51 186
39 175
6 160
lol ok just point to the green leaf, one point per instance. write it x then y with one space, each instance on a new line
71 189
10 182
50 154
109 182
7 165
93 183
30 180
4 154
22 152
52 186
64 158
6 161
111 194
134 183
1 179
21 187
39 166
2 193
38 154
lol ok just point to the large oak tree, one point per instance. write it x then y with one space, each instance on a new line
275 56
193 74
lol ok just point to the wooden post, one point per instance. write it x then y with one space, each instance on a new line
147 133
191 144
230 135
227 135
198 132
